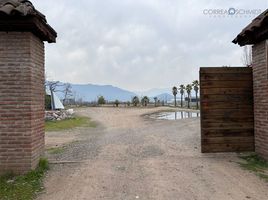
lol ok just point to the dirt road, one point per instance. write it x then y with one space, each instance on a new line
129 156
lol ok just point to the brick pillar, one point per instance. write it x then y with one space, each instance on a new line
260 87
21 101
22 32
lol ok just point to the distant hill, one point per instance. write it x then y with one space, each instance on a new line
90 92
164 97
154 92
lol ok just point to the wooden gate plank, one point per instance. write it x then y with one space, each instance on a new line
226 99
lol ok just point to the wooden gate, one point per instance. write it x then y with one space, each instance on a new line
227 119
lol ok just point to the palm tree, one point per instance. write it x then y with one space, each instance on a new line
155 101
188 90
135 100
182 88
145 100
195 84
175 92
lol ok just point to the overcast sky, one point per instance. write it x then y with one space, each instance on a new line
141 44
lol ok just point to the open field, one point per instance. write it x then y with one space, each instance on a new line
129 156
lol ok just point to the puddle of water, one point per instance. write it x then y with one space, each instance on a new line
175 115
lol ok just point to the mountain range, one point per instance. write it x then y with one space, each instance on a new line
154 92
91 92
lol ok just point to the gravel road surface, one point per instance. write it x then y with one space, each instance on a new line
129 156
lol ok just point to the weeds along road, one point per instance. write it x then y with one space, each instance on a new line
129 156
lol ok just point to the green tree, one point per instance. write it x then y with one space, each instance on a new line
144 101
47 102
135 101
116 103
182 89
195 84
188 90
101 100
67 91
155 101
175 92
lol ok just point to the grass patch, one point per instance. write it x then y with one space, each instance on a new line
23 187
69 124
256 164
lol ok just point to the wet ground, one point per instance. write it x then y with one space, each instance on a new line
174 115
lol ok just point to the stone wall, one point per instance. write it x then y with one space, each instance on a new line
21 101
260 87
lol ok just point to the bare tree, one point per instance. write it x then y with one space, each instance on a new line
52 86
247 56
74 97
67 91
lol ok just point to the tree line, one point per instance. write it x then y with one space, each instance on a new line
69 96
135 101
188 89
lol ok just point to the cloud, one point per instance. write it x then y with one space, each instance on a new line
137 44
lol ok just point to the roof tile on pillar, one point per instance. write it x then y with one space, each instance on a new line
21 15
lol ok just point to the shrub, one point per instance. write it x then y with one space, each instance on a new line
128 103
101 100
116 103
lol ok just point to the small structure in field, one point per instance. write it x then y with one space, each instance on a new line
23 30
256 34
54 100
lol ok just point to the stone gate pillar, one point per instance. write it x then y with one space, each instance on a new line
23 31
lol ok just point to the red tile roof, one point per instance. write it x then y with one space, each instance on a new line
255 32
21 15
